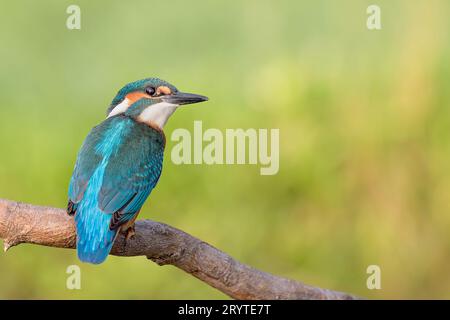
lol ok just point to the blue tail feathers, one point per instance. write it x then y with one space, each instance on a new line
94 237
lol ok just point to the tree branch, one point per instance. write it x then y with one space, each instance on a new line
163 244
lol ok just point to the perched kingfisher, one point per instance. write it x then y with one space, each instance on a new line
120 163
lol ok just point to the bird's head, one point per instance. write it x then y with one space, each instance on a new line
151 101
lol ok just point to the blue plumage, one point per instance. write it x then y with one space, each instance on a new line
120 163
117 168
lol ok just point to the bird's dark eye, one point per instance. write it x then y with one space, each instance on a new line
150 91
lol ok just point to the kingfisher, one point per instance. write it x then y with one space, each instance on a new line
119 164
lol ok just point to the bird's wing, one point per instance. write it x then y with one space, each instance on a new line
87 161
131 174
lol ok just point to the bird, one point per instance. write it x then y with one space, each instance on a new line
120 163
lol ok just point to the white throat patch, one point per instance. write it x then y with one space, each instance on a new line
157 114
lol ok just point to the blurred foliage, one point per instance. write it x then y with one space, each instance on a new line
364 122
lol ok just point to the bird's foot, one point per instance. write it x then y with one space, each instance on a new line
130 232
71 208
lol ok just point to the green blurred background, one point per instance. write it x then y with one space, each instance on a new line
364 137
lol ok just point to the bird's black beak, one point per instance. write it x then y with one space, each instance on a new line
181 98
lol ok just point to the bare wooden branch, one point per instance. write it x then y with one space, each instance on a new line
163 244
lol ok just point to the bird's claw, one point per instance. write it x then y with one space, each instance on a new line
129 233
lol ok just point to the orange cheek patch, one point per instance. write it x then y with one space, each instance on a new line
135 96
163 90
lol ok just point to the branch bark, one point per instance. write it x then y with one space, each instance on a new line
163 244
